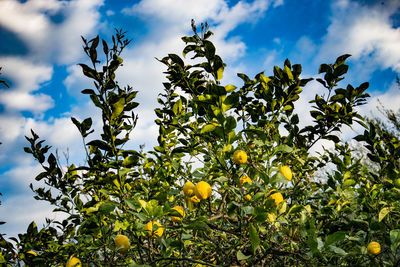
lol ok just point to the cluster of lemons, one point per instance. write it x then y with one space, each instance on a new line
240 157
201 191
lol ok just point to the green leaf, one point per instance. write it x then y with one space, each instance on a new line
255 240
130 161
395 239
220 73
230 123
209 49
118 107
207 128
348 182
177 107
341 60
230 88
335 237
118 225
395 236
133 204
284 148
88 92
337 250
278 178
287 70
100 144
383 212
107 207
346 175
89 72
259 212
240 256
295 209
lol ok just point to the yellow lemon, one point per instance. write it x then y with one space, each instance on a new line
285 170
188 189
245 179
32 253
373 248
122 243
181 212
149 228
194 199
239 157
277 197
73 262
203 190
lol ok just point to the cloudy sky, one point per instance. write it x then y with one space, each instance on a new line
41 46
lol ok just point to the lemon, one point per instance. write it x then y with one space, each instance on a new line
285 170
373 248
181 212
188 189
245 179
277 197
32 253
122 243
149 228
239 157
73 262
203 190
194 199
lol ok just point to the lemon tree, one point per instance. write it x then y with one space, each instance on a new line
224 186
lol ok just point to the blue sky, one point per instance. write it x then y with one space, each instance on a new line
41 46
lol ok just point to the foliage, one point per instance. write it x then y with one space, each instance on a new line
262 219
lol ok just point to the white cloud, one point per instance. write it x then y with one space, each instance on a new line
60 133
182 10
305 49
26 74
219 15
366 32
10 127
272 59
390 99
48 40
19 210
21 101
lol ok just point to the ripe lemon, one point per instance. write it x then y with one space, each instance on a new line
203 190
277 197
181 212
285 170
239 157
373 248
32 253
245 179
194 199
122 243
188 189
149 228
73 262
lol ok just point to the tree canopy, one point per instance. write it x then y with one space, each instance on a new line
231 181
